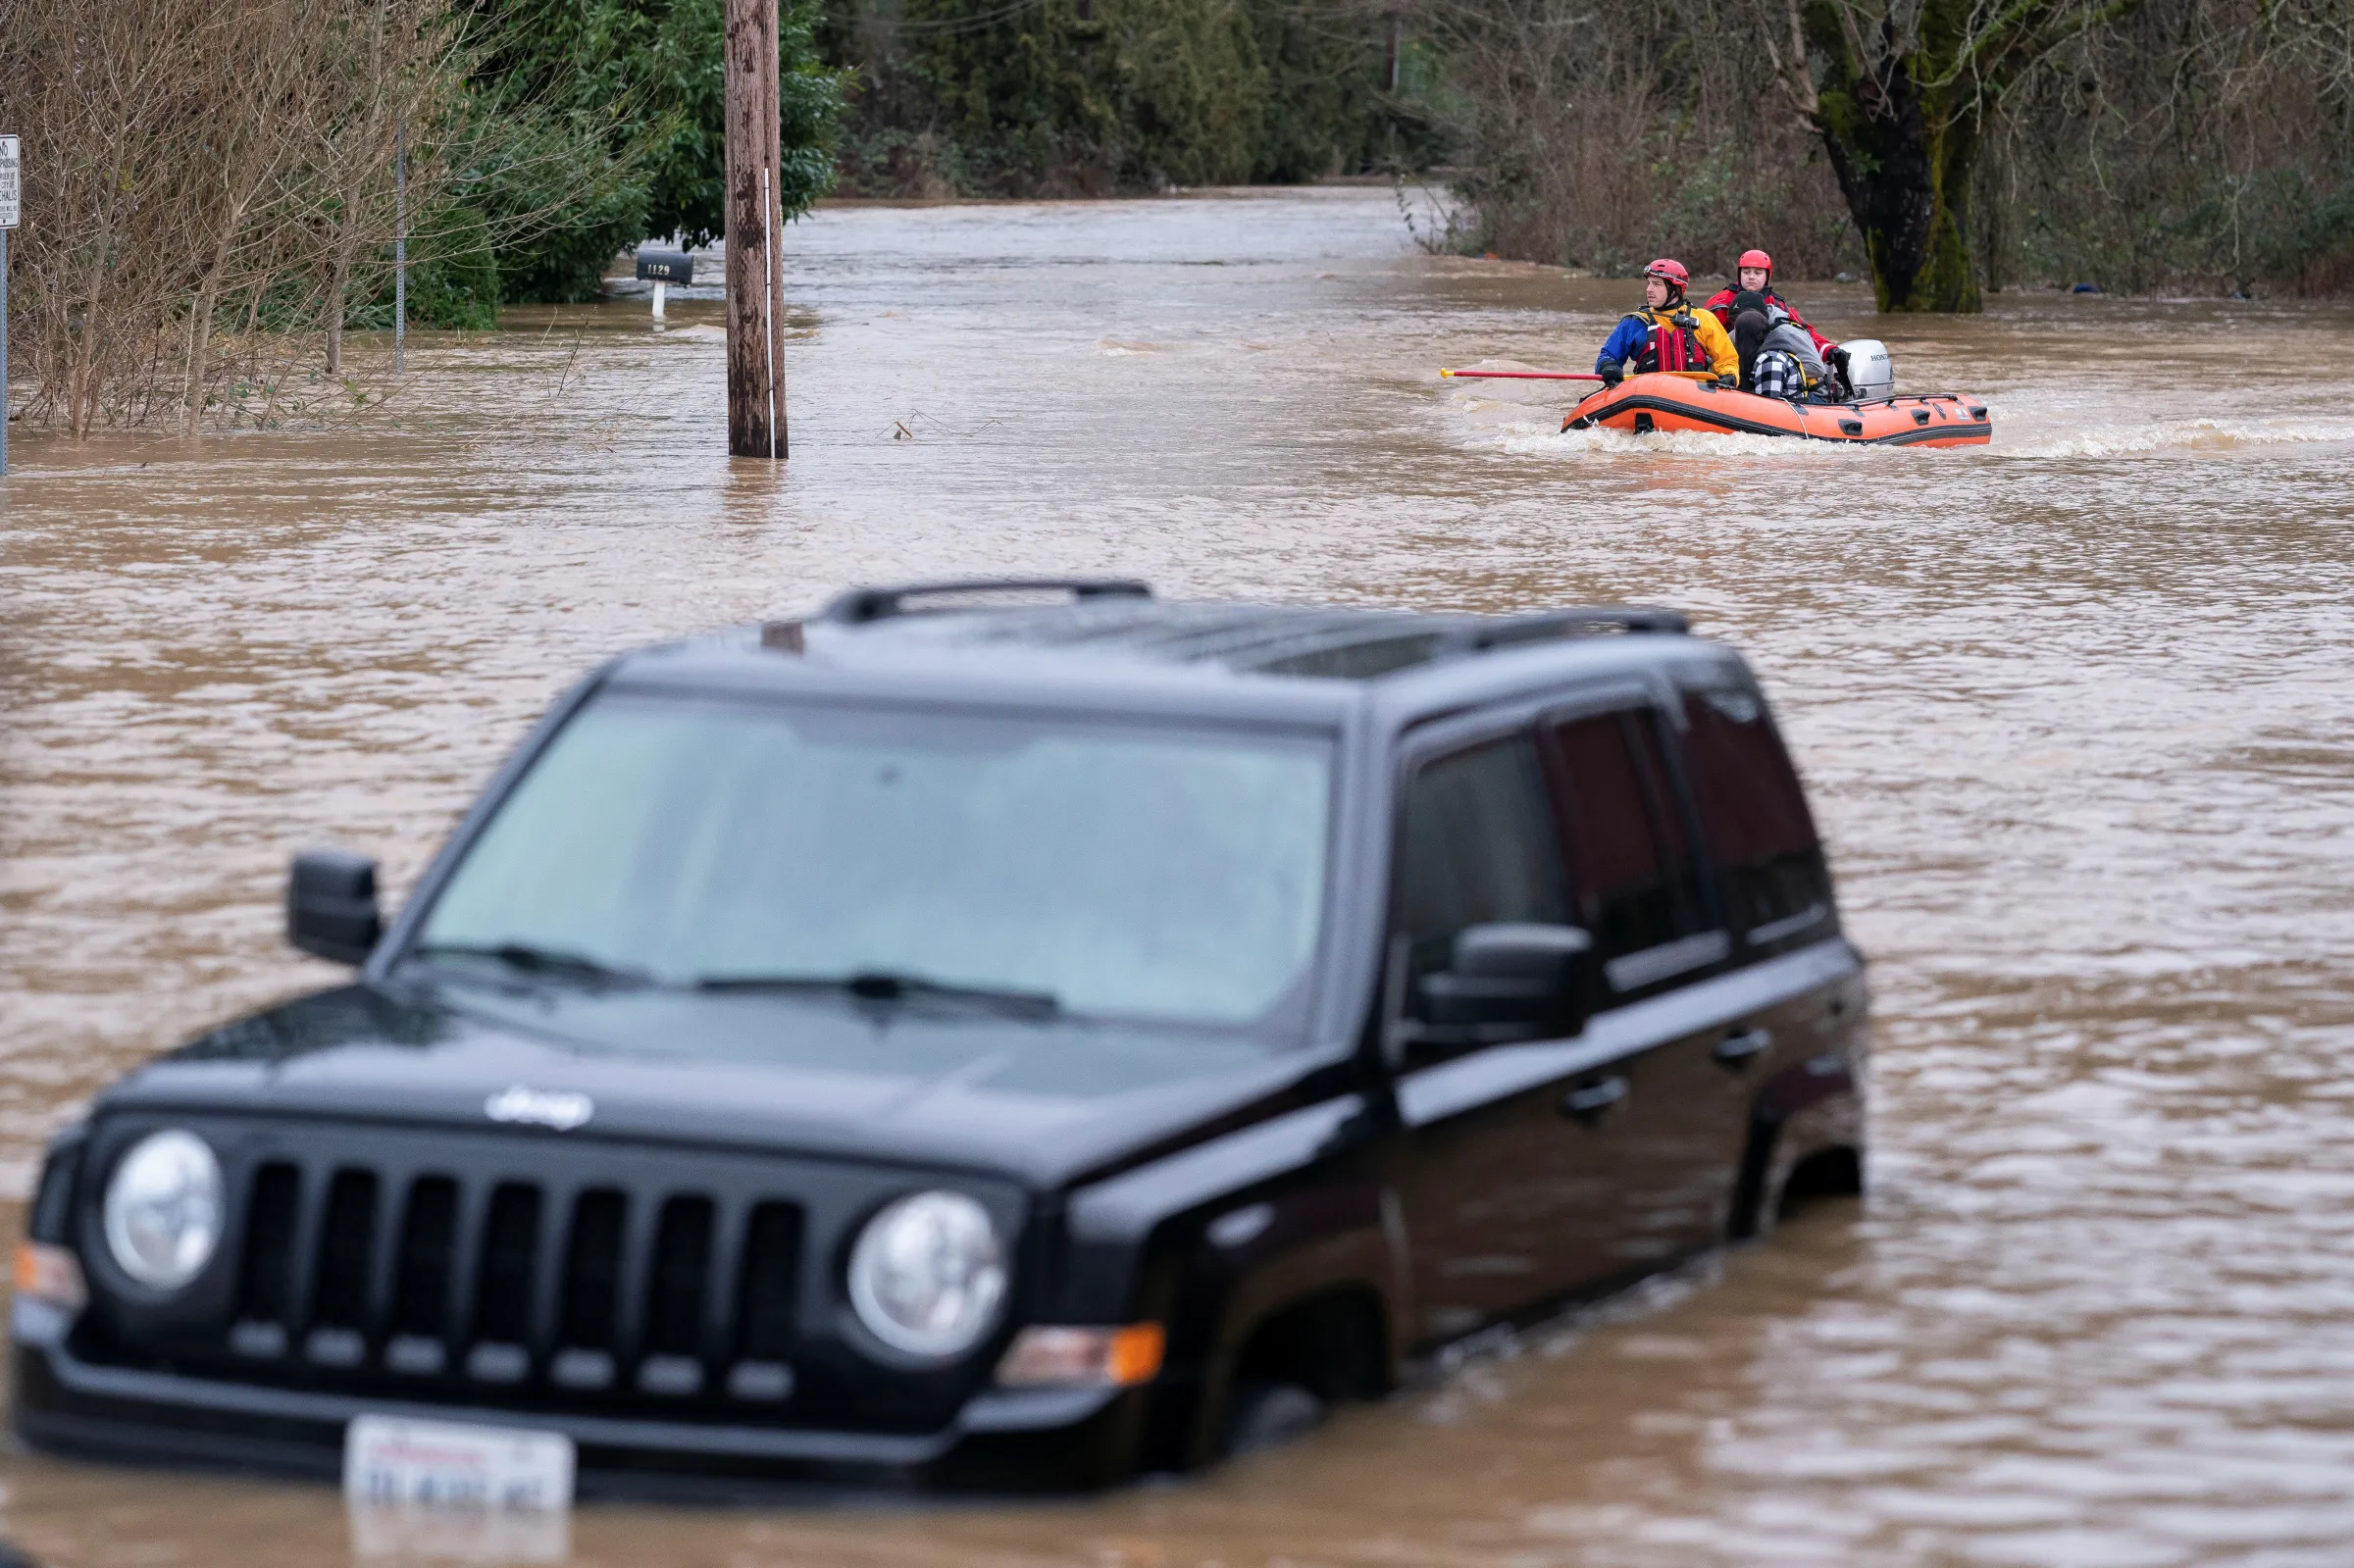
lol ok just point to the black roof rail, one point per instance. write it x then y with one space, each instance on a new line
1541 626
859 606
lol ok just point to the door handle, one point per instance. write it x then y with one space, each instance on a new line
1735 1050
1587 1103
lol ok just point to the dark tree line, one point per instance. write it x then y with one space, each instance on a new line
1944 146
1092 97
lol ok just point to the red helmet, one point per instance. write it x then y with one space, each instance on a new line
1756 258
1670 272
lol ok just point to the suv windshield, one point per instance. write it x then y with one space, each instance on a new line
1107 869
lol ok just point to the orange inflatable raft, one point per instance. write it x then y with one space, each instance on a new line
1645 403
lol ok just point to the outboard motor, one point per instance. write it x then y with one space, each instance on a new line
1870 371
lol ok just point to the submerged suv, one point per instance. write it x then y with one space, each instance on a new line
1005 1032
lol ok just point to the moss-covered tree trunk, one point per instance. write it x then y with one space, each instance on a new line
1900 124
1899 92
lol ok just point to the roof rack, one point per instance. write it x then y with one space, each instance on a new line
1544 626
859 606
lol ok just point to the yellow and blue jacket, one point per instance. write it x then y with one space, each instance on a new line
1634 339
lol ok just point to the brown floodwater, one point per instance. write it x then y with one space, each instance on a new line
2075 709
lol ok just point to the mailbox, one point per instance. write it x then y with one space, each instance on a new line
665 267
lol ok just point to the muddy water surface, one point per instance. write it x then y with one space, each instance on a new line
2075 709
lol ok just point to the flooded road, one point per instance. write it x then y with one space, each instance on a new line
2073 707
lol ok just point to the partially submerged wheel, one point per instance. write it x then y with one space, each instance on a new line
1268 1415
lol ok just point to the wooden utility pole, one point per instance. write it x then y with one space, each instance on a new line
755 271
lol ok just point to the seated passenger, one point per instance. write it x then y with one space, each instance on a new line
1667 334
1749 325
1777 355
1754 275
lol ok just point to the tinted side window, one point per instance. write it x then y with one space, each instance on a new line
1755 818
1475 844
1630 867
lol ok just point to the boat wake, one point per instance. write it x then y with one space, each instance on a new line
2178 435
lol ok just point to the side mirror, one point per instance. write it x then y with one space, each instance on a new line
331 905
1509 980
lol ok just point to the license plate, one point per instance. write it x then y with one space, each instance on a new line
390 1463
444 1535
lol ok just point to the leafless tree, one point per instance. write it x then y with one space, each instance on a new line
1604 132
189 162
1938 144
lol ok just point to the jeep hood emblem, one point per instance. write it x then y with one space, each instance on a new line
560 1110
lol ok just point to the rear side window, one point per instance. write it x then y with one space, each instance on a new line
1634 880
1753 816
1475 845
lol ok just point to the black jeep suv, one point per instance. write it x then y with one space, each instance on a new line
1003 1031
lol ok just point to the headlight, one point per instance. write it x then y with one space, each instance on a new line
163 1209
927 1275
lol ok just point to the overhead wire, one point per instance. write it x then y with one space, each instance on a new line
972 24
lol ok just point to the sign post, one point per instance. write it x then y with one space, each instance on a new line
12 209
401 245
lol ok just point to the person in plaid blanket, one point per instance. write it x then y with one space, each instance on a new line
1775 374
1778 353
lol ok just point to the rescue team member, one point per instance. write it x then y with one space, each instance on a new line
1753 274
1667 334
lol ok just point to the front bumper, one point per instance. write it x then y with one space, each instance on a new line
1027 1438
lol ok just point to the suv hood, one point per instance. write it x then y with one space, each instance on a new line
1046 1102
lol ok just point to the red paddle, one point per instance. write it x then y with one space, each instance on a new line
1561 376
1521 376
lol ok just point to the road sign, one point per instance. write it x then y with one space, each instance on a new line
11 206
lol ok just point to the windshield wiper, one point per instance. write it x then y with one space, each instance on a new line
880 985
552 963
